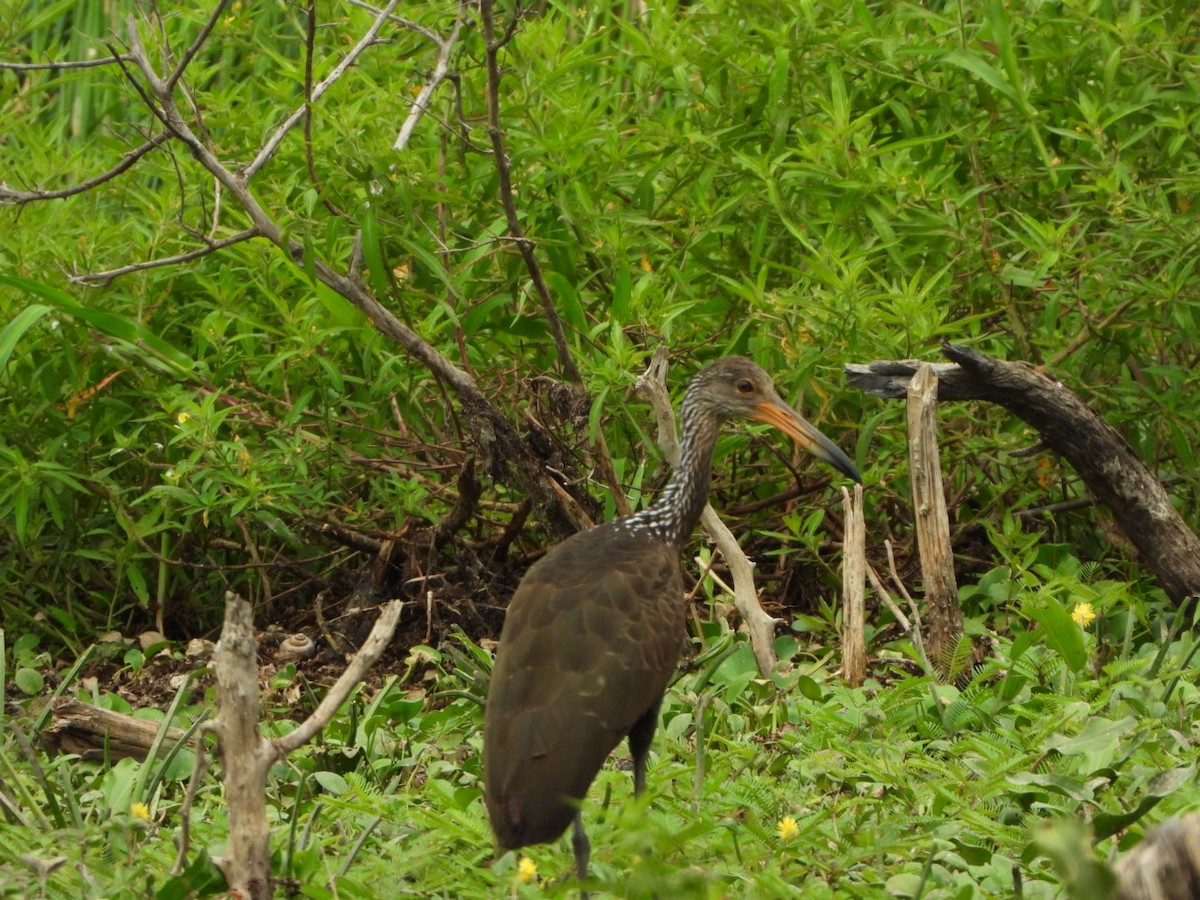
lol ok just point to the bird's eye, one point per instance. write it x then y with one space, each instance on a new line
745 386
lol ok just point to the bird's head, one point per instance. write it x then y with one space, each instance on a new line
736 388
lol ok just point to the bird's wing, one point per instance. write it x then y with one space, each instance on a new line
589 643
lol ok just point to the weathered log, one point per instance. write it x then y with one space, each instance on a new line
1165 866
95 733
246 756
1110 469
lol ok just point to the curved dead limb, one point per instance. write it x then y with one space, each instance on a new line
1114 475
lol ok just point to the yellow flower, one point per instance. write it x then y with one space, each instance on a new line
526 870
140 811
1084 614
183 417
788 828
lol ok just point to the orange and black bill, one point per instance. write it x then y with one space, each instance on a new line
804 433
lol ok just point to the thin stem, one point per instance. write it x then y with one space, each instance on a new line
504 171
272 145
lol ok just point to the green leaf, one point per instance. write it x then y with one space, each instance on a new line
622 291
809 689
964 59
331 782
1162 785
1062 634
138 338
372 250
29 681
201 878
15 329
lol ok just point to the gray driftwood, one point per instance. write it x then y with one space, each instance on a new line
247 756
854 588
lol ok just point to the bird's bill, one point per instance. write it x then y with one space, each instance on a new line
806 435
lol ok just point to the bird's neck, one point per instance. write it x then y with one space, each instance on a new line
674 515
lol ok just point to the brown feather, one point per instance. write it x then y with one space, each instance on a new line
584 654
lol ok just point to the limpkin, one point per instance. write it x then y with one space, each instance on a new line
595 627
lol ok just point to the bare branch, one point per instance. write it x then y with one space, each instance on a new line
854 589
9 197
272 145
368 653
441 71
310 40
504 171
70 64
196 44
99 279
403 23
882 593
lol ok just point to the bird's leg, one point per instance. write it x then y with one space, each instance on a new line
583 849
640 736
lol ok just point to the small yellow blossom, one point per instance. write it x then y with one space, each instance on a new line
183 417
140 811
788 828
526 870
1084 614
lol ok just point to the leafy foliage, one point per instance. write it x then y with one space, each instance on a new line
901 786
807 183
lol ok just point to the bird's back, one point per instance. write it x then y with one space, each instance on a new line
589 643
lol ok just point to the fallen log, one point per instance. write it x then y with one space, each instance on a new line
95 733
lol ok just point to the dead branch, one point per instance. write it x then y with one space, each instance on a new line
247 757
100 279
440 73
310 161
197 42
930 519
272 144
64 64
9 197
1110 469
403 23
504 172
915 626
882 593
367 655
95 733
854 566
